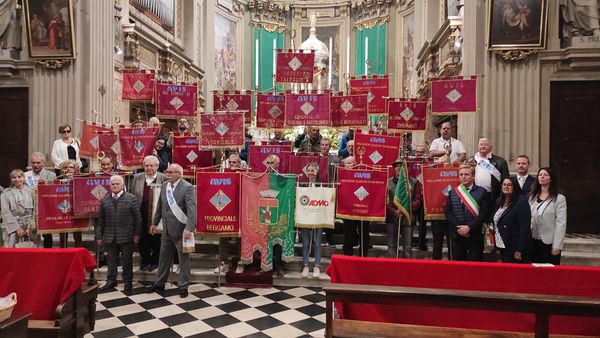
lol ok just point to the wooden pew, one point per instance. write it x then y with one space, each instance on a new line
73 318
540 305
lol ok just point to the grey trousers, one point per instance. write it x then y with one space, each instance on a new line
406 231
113 250
168 247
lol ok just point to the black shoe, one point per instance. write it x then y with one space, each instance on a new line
144 267
108 286
128 286
155 288
183 293
151 267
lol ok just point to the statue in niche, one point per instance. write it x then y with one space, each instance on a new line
580 17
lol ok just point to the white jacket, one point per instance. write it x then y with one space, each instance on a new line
59 152
552 217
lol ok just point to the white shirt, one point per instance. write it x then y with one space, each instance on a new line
483 178
521 179
118 195
457 147
497 237
174 185
149 180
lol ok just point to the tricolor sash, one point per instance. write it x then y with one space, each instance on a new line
485 164
468 200
179 214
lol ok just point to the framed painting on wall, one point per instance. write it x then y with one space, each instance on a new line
517 24
50 29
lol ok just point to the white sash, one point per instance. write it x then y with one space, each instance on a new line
30 179
487 166
179 214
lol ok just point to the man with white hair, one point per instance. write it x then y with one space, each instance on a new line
118 228
490 170
36 175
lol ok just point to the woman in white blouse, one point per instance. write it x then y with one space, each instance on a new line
65 148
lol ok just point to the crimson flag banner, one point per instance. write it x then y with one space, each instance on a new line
87 193
295 67
219 196
187 153
108 145
138 85
90 138
308 109
381 150
136 143
175 101
454 95
270 111
298 165
406 115
437 183
258 156
222 130
362 194
234 101
378 89
349 110
55 210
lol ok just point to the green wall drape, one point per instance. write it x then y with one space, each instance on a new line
377 49
265 56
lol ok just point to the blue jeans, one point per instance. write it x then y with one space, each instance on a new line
306 243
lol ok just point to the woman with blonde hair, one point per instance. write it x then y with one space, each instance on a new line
17 210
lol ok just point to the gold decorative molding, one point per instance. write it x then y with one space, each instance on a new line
515 55
368 24
368 13
268 15
57 64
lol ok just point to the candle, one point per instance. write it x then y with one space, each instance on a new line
274 60
366 55
348 55
330 62
256 63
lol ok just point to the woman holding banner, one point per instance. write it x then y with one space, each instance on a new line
17 211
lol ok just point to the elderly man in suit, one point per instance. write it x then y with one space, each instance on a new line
118 228
141 186
36 175
177 210
525 180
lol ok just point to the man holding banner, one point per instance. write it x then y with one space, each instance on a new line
466 211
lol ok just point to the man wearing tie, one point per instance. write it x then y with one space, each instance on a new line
525 180
118 228
177 209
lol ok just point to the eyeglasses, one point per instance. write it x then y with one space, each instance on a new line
66 131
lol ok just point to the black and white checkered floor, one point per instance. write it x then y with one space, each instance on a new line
209 311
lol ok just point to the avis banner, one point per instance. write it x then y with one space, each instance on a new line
363 192
187 153
377 88
234 101
454 95
222 130
138 85
270 111
90 138
308 109
349 110
55 209
299 165
406 115
295 67
315 207
219 196
176 100
259 156
136 143
437 183
87 193
380 150
108 145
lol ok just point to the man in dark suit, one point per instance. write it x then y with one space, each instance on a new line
466 211
177 210
525 180
118 228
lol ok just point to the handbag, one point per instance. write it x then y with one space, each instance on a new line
25 242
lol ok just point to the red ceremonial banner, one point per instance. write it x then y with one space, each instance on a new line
406 115
362 194
437 183
234 101
138 85
187 153
90 139
378 89
270 111
55 209
135 144
297 165
108 145
308 109
219 196
222 130
454 95
174 101
295 67
381 150
349 110
87 193
257 156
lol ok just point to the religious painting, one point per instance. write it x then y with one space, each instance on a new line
50 32
408 49
225 55
330 36
517 24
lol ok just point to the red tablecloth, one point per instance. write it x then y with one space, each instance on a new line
559 280
42 278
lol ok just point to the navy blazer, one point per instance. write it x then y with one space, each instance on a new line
457 213
526 189
515 225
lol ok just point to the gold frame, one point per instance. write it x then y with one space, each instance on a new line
62 57
516 46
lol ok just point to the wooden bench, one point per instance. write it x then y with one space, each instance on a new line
73 318
540 305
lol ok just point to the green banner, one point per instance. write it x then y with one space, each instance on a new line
281 224
373 39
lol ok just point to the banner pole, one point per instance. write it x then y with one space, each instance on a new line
362 234
398 237
219 265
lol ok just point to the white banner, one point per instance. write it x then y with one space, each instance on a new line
315 207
